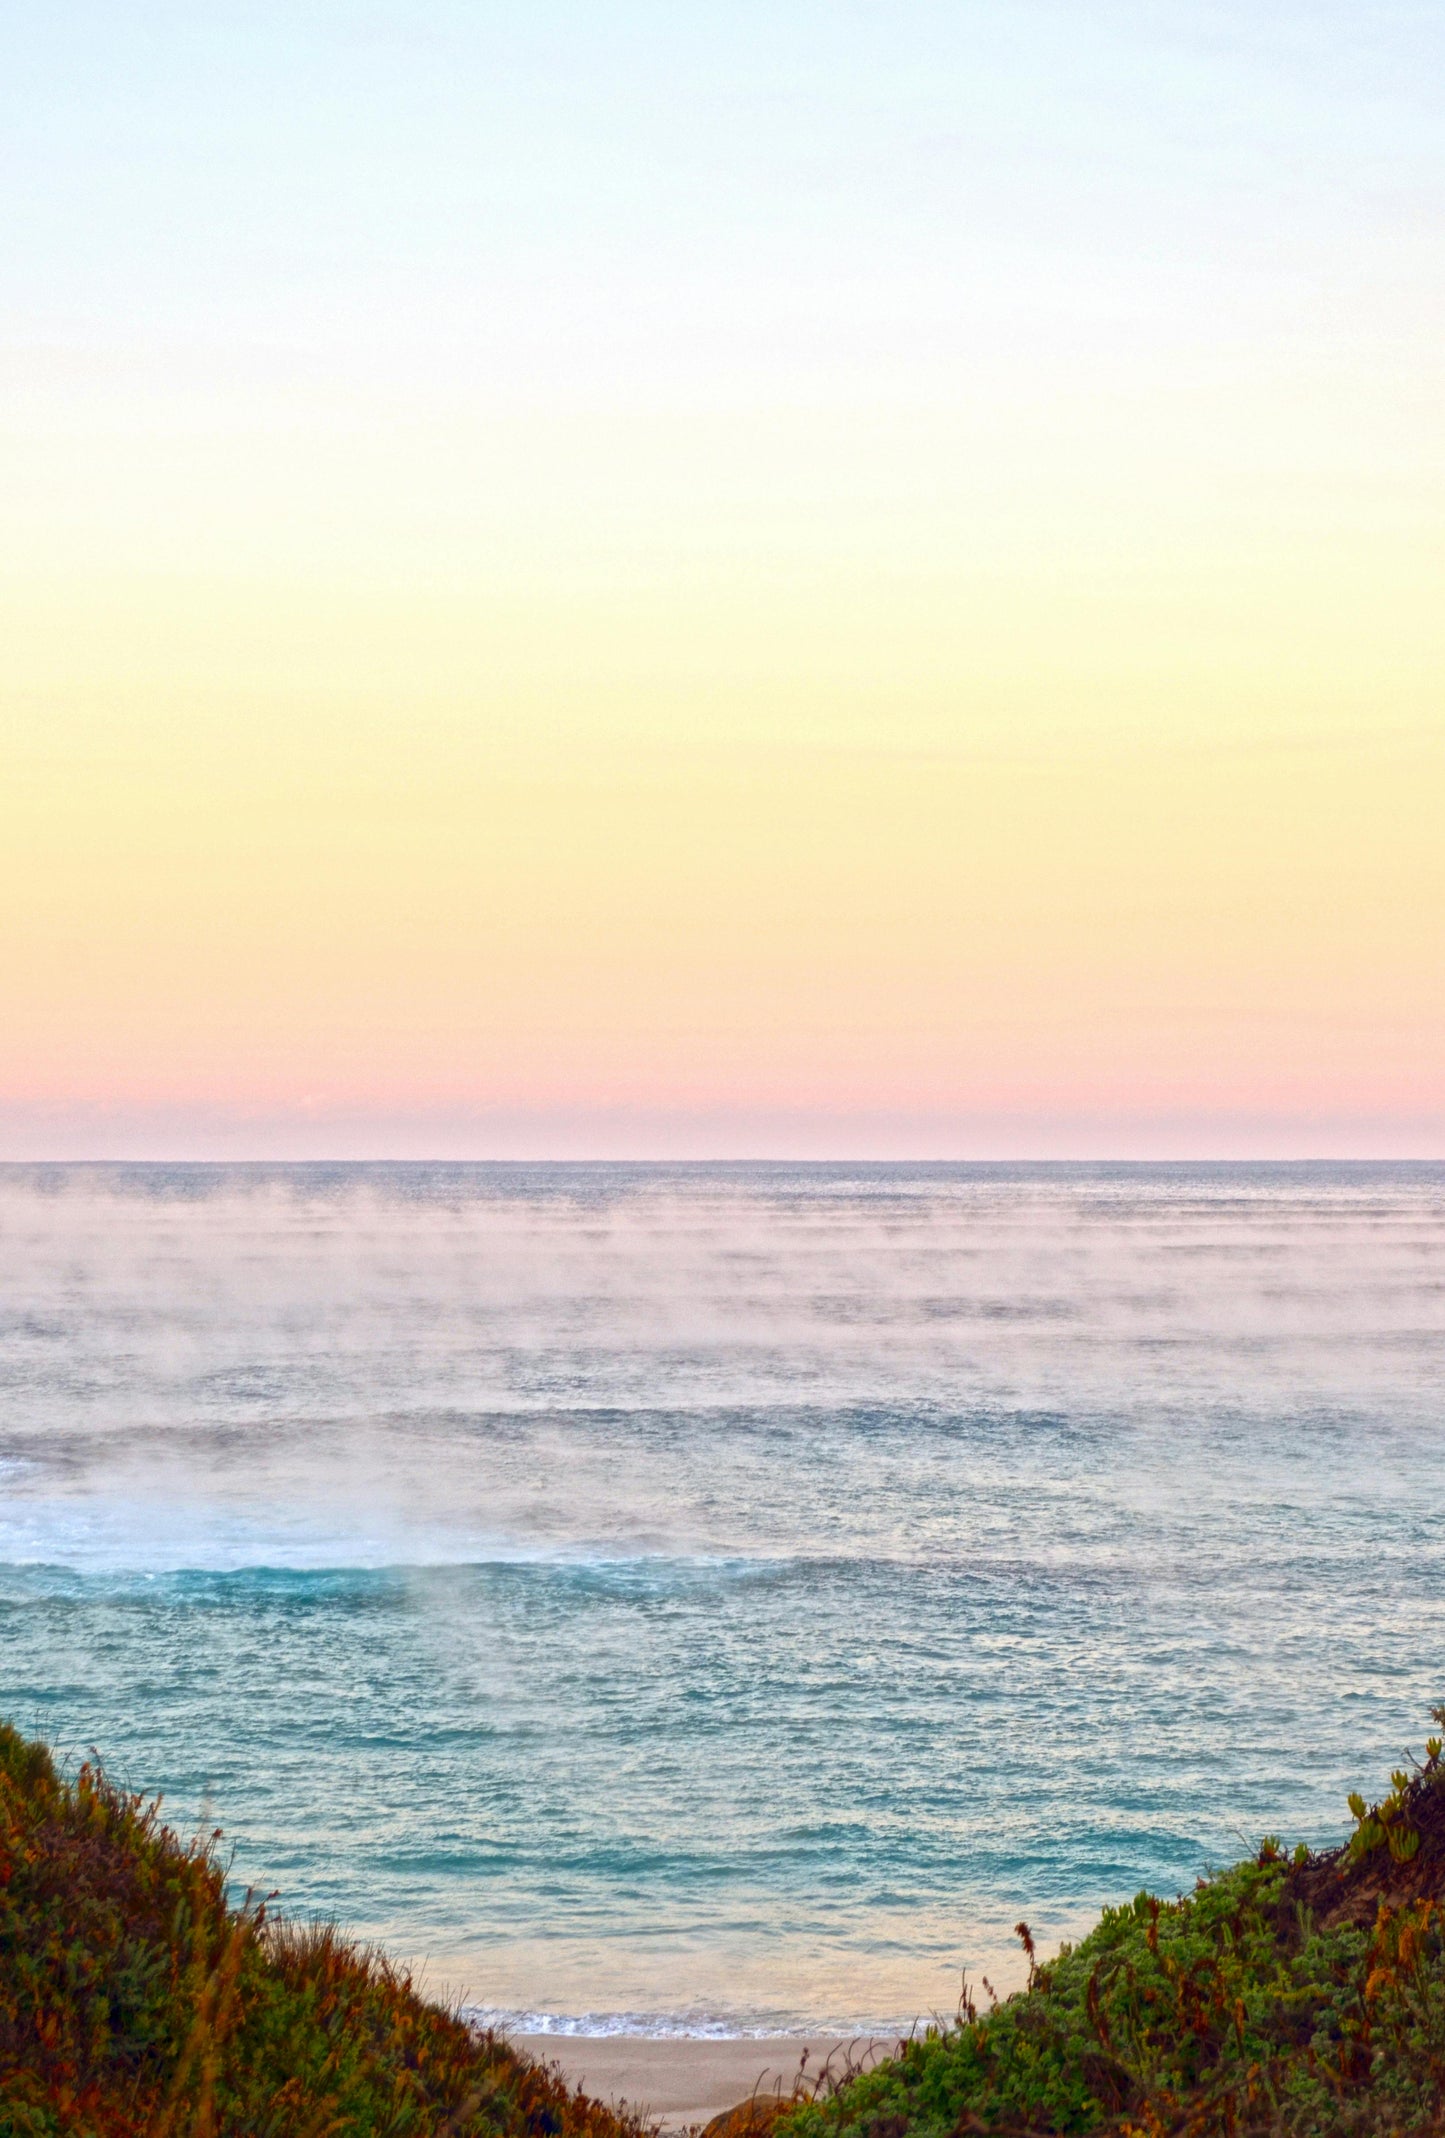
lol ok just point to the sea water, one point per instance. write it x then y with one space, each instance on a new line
722 1597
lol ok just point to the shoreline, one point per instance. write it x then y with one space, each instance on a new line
683 2079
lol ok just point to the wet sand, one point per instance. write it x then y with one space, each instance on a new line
682 2080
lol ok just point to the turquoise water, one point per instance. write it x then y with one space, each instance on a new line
725 1597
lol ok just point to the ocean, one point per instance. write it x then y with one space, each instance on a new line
724 1598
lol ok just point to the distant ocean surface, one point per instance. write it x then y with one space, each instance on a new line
692 1598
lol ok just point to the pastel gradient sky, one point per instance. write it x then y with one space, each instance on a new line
783 578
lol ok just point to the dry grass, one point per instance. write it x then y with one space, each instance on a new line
134 2000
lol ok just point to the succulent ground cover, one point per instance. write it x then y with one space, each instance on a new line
134 2000
1299 1994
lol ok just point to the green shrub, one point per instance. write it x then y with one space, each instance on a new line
1300 1995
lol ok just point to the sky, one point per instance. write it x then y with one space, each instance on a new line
783 579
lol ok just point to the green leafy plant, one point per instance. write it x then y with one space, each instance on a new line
1292 1994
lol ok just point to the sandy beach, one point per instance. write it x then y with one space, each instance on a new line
682 2080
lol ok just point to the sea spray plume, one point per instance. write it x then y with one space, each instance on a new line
135 2000
1299 1996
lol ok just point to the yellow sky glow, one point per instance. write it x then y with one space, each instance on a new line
943 624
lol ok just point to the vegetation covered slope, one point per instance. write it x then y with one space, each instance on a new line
1287 1995
1290 1995
133 2000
